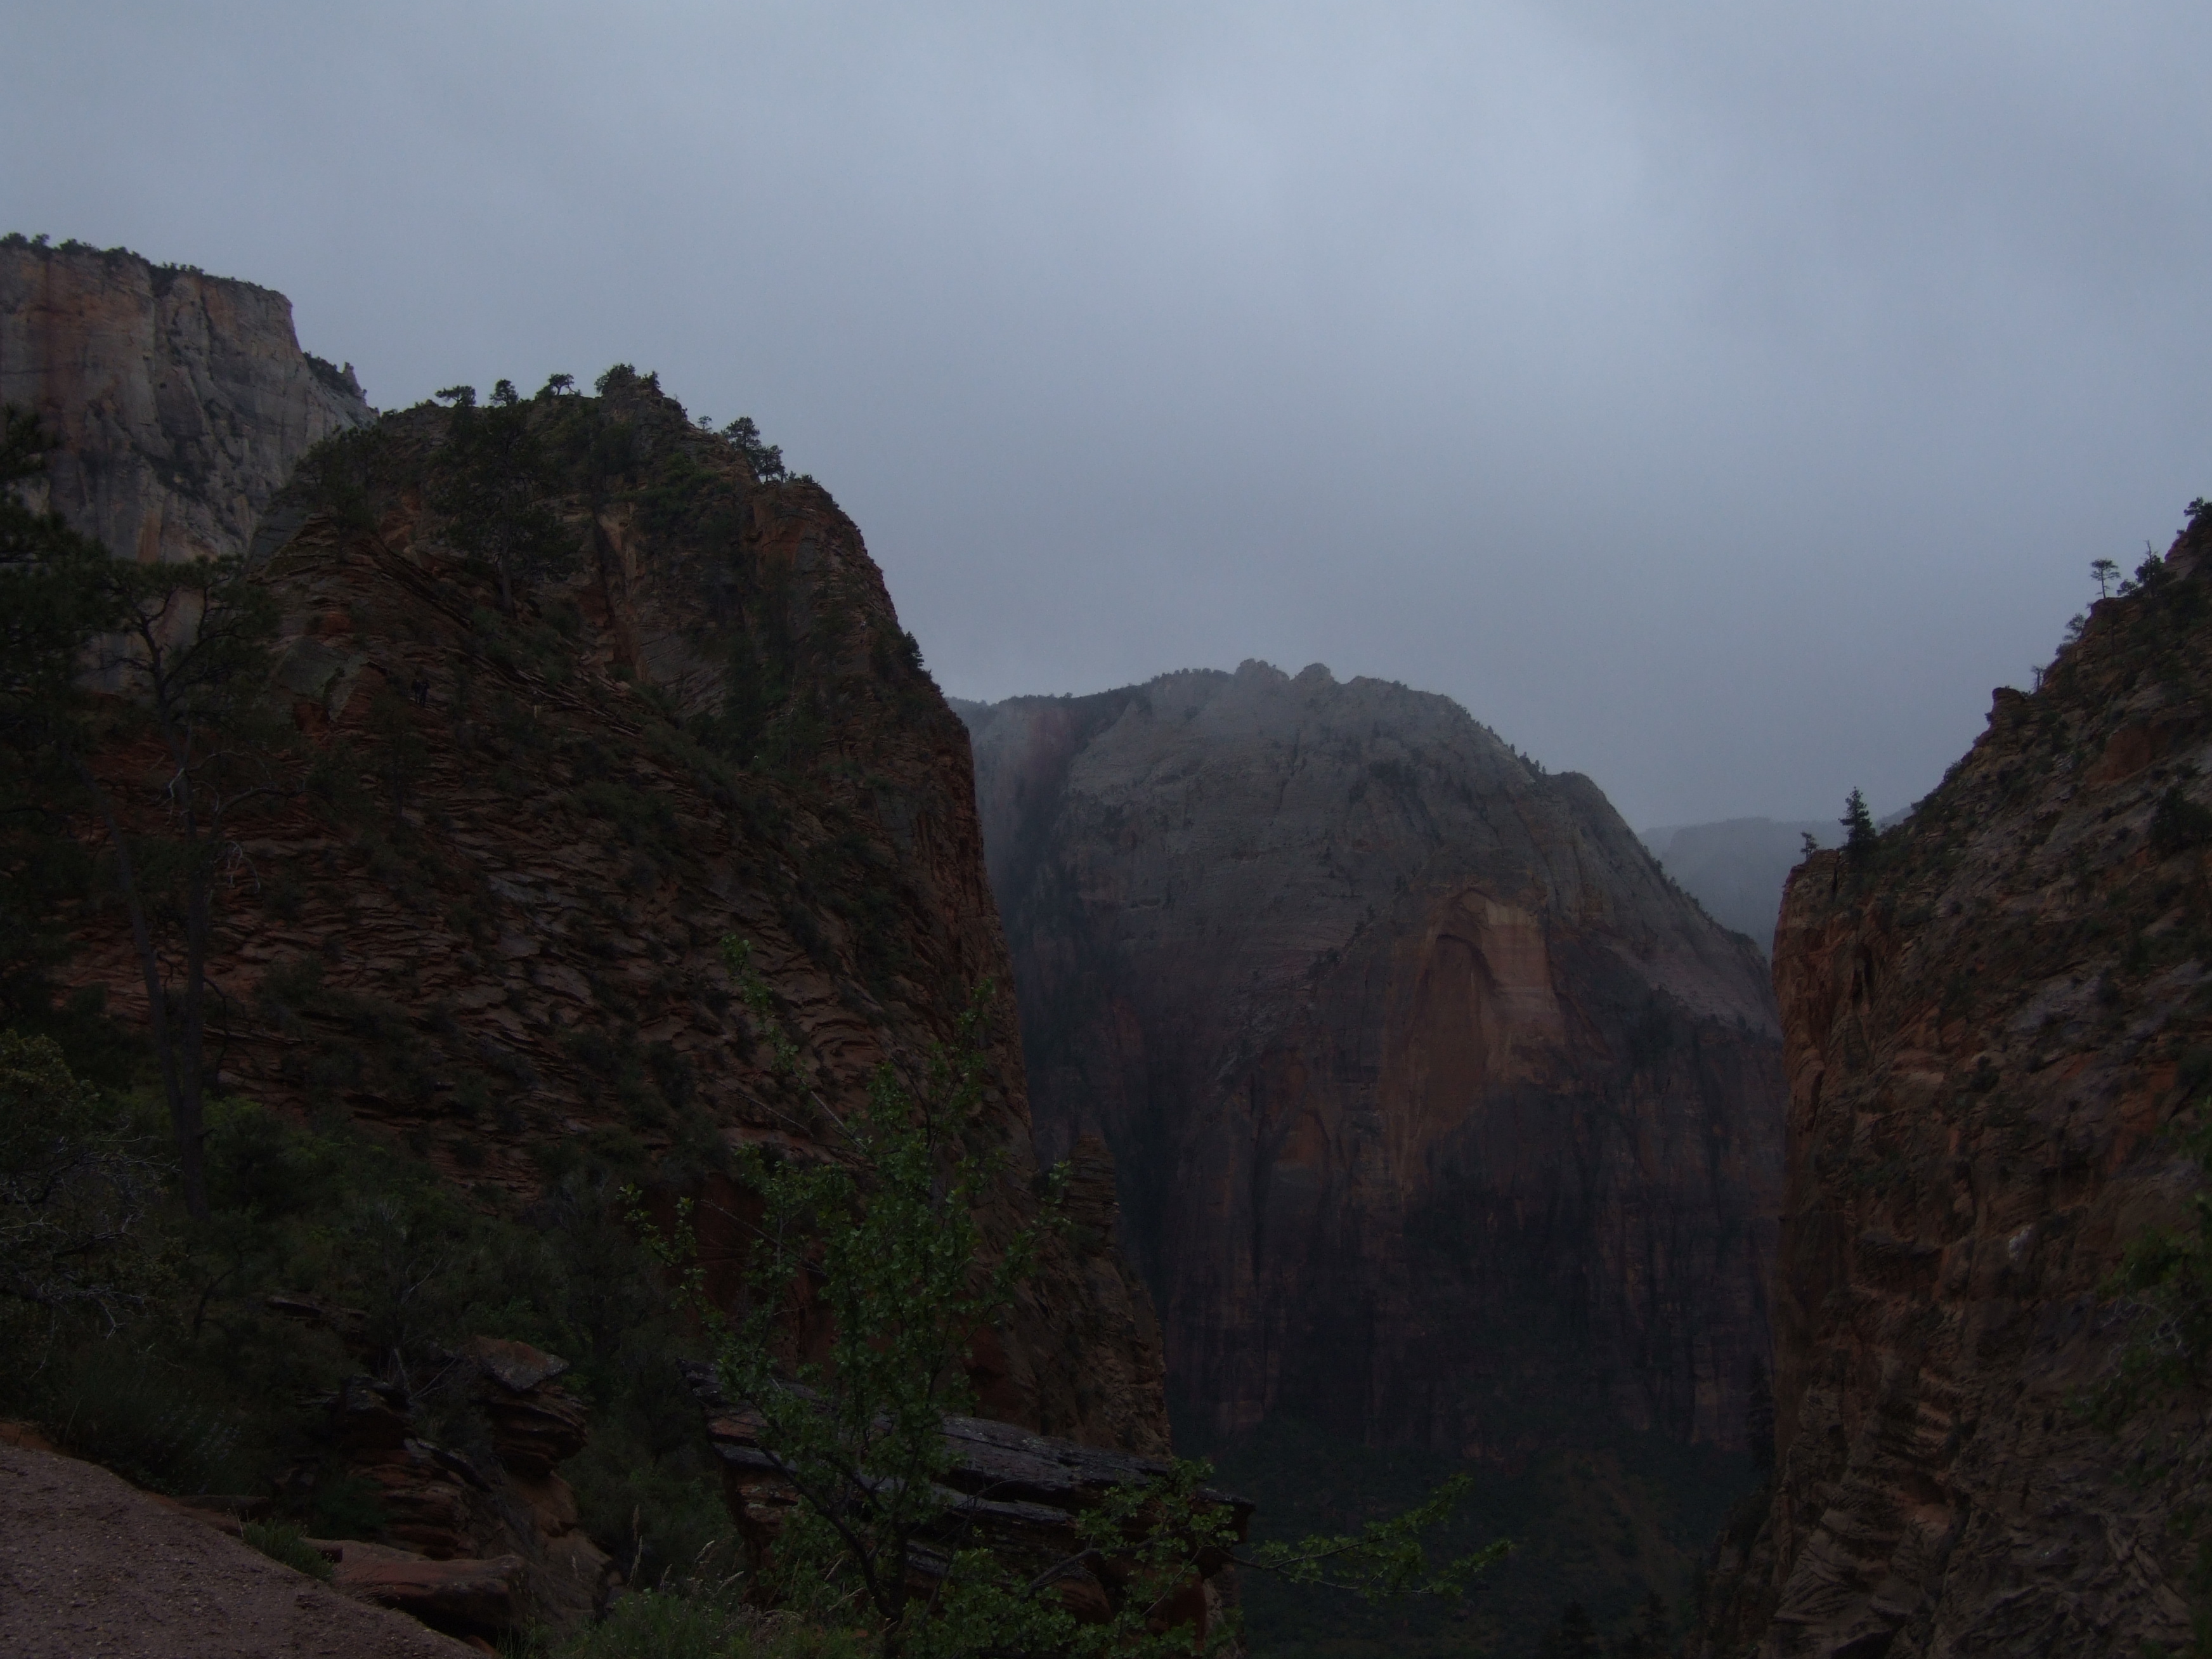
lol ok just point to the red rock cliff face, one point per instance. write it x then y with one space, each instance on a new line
182 400
1984 1031
489 923
1440 1117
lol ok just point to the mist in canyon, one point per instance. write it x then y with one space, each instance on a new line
1274 496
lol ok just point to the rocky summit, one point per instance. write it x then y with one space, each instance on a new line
1441 1117
481 909
1990 1298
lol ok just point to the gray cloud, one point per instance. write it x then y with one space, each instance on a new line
1718 400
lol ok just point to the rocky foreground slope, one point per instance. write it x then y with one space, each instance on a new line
1442 1119
182 401
1996 1026
90 1565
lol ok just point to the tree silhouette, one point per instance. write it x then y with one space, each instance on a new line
1574 1636
2106 573
1861 838
765 458
494 493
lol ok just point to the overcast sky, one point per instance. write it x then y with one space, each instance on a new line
1718 399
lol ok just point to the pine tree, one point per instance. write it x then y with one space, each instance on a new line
1861 838
495 490
53 597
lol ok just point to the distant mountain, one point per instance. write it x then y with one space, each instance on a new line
1398 1042
179 401
1443 1123
1735 868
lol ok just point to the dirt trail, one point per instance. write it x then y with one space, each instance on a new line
89 1564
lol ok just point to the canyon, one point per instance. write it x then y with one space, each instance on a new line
1998 1030
1736 868
1428 1110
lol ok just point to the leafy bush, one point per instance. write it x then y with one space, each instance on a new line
77 1188
178 1374
281 1541
881 1237
672 1625
126 1406
2179 824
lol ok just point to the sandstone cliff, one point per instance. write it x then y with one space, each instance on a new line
1441 1117
487 922
182 401
1991 1028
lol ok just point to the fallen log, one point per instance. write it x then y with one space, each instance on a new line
1019 1494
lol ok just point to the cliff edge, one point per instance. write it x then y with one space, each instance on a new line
181 401
1993 1022
479 905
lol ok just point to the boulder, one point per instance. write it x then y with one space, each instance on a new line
534 1424
1014 1492
461 1597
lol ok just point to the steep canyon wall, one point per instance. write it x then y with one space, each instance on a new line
1997 1027
1441 1117
480 915
181 401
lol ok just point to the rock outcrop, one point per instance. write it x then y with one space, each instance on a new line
91 1565
483 913
1021 1495
473 1545
182 401
469 1597
1441 1118
1992 1026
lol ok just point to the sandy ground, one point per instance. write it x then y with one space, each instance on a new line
88 1565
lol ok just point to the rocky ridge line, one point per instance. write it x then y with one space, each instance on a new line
1994 1032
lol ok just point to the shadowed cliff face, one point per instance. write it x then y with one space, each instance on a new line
1990 1034
483 914
181 401
1440 1117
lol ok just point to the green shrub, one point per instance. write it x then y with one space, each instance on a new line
117 1404
669 1625
2179 823
281 1541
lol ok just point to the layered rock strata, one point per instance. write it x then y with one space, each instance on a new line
182 401
1996 1026
1441 1117
484 911
455 1525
